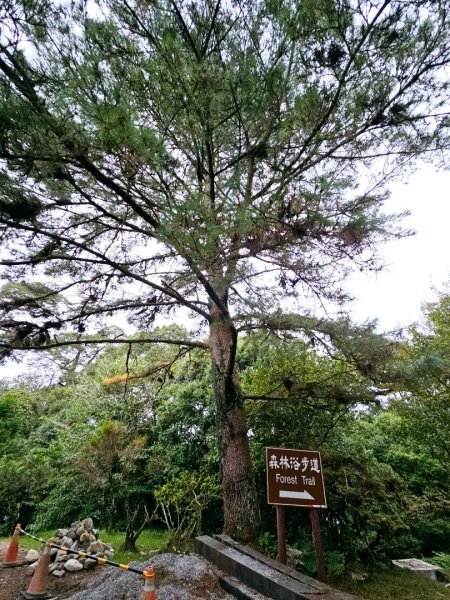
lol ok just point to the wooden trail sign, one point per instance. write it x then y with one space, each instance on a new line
294 478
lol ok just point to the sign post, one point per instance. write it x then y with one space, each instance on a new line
281 534
294 478
317 542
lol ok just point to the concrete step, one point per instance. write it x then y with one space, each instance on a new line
264 575
236 588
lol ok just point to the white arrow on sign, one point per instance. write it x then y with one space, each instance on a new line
300 495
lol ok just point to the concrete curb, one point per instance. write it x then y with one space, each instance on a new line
262 574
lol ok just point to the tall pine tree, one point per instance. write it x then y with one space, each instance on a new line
229 158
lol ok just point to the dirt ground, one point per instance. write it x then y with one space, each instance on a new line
176 576
15 580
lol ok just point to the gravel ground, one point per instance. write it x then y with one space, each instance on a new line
178 577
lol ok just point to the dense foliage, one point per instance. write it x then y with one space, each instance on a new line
131 450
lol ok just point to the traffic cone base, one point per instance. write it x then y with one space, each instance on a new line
43 596
11 557
18 563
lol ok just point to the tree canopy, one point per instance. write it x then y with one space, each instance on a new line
228 158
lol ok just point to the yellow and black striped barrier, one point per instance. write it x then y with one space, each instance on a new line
148 574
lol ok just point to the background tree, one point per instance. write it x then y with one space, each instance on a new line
425 405
16 423
304 398
422 419
220 157
113 462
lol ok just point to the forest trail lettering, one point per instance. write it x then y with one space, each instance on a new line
294 477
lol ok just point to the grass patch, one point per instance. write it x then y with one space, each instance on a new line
27 542
149 541
395 584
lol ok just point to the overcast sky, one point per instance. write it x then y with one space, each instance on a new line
414 265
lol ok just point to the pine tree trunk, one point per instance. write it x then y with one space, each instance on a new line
241 511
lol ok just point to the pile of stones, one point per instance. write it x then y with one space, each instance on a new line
81 536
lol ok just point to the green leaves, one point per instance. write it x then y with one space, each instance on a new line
167 123
182 501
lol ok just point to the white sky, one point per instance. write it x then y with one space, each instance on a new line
415 266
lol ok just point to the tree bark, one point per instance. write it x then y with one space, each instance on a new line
241 511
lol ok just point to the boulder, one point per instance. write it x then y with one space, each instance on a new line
65 557
60 556
71 533
32 555
61 533
59 573
96 547
32 568
88 524
73 565
87 538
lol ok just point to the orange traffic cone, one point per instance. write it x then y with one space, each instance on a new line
37 590
11 558
149 585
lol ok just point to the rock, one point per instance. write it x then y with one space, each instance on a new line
88 524
61 555
96 532
71 533
87 537
97 546
66 542
75 545
65 557
80 531
419 566
72 565
59 573
89 563
75 525
61 533
32 555
31 568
